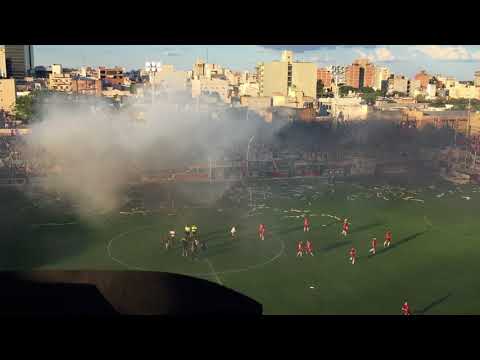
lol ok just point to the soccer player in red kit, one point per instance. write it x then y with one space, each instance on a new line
406 309
388 239
373 249
345 227
309 248
300 248
306 224
353 255
261 231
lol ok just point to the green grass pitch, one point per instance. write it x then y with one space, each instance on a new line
433 261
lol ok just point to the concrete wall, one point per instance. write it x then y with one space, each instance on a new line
275 78
304 77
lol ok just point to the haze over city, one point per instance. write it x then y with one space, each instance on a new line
459 61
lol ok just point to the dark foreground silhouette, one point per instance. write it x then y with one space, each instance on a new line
117 293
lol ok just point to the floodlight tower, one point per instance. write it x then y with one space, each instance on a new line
152 68
248 152
467 141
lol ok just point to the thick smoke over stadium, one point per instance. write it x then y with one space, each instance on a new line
96 154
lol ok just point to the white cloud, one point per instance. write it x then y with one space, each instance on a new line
384 54
476 55
315 59
379 55
172 53
363 54
448 53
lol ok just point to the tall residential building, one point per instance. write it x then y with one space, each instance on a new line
19 60
218 86
325 76
111 76
60 82
8 95
87 86
381 74
280 76
398 84
431 90
198 69
287 56
446 81
360 74
245 77
424 78
57 69
338 73
476 80
415 88
169 78
202 69
3 64
464 91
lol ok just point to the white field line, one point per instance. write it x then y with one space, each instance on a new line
54 224
214 272
428 222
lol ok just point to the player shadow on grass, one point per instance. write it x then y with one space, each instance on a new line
432 305
400 242
367 226
25 246
332 223
336 245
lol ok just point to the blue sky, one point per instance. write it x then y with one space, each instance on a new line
460 61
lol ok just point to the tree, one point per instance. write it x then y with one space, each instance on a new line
420 98
437 103
399 94
24 107
370 98
320 88
366 90
344 90
370 95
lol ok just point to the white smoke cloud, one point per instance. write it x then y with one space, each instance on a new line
100 153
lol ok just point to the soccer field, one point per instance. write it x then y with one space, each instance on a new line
432 263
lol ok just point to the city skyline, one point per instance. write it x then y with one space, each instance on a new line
453 60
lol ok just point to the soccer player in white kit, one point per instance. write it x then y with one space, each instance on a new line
169 242
233 232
